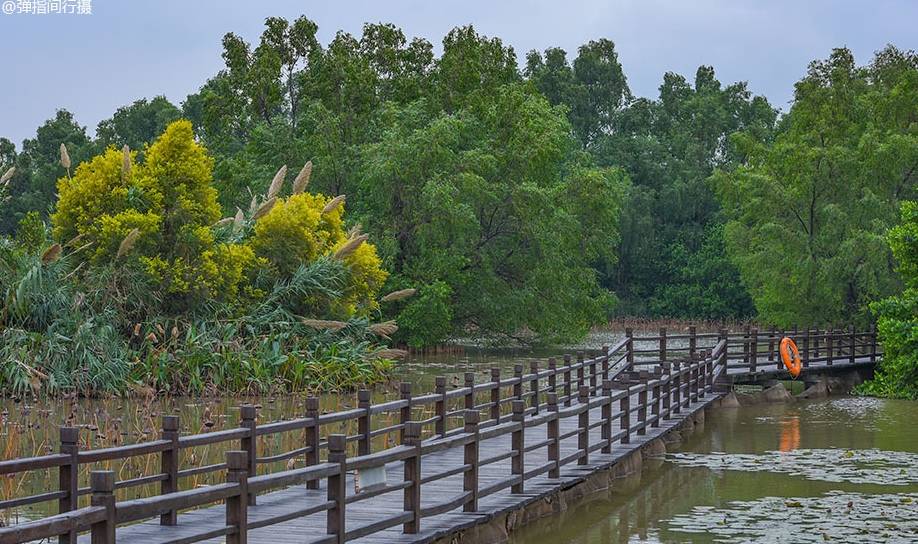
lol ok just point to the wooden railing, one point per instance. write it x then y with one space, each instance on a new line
609 381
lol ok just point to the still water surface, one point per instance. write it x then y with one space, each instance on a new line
837 470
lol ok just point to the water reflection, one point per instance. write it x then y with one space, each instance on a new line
840 470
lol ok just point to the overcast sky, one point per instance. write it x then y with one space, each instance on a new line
128 49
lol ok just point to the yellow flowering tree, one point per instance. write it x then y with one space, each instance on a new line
159 212
306 227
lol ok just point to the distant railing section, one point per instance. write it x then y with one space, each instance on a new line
685 369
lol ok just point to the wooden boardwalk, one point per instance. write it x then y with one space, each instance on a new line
519 440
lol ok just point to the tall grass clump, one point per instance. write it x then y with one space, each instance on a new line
139 282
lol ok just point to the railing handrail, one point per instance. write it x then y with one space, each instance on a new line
596 382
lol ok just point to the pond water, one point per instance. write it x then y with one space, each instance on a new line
837 470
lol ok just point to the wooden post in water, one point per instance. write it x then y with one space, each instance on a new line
237 464
583 425
412 497
662 343
337 487
168 465
606 428
534 386
567 380
102 485
68 477
554 446
363 420
495 395
405 413
470 458
249 443
312 437
440 406
518 443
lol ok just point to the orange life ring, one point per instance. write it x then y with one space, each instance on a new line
791 356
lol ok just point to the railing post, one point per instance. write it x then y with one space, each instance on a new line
753 349
518 443
583 423
581 372
518 377
692 340
470 394
495 394
363 420
237 515
629 347
667 389
593 376
607 416
662 344
853 342
642 404
746 338
552 374
102 484
337 488
534 386
625 411
655 403
873 342
677 386
312 437
405 413
470 458
806 347
440 406
554 431
605 362
169 462
68 477
412 499
701 376
830 347
771 344
567 380
249 443
709 370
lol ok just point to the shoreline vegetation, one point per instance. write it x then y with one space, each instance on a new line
496 199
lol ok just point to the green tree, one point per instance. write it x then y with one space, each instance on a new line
897 316
808 212
494 212
138 124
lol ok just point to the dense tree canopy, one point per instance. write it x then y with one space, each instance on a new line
809 211
525 202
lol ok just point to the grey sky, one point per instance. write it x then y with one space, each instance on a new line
129 49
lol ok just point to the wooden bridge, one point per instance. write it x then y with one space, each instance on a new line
483 449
